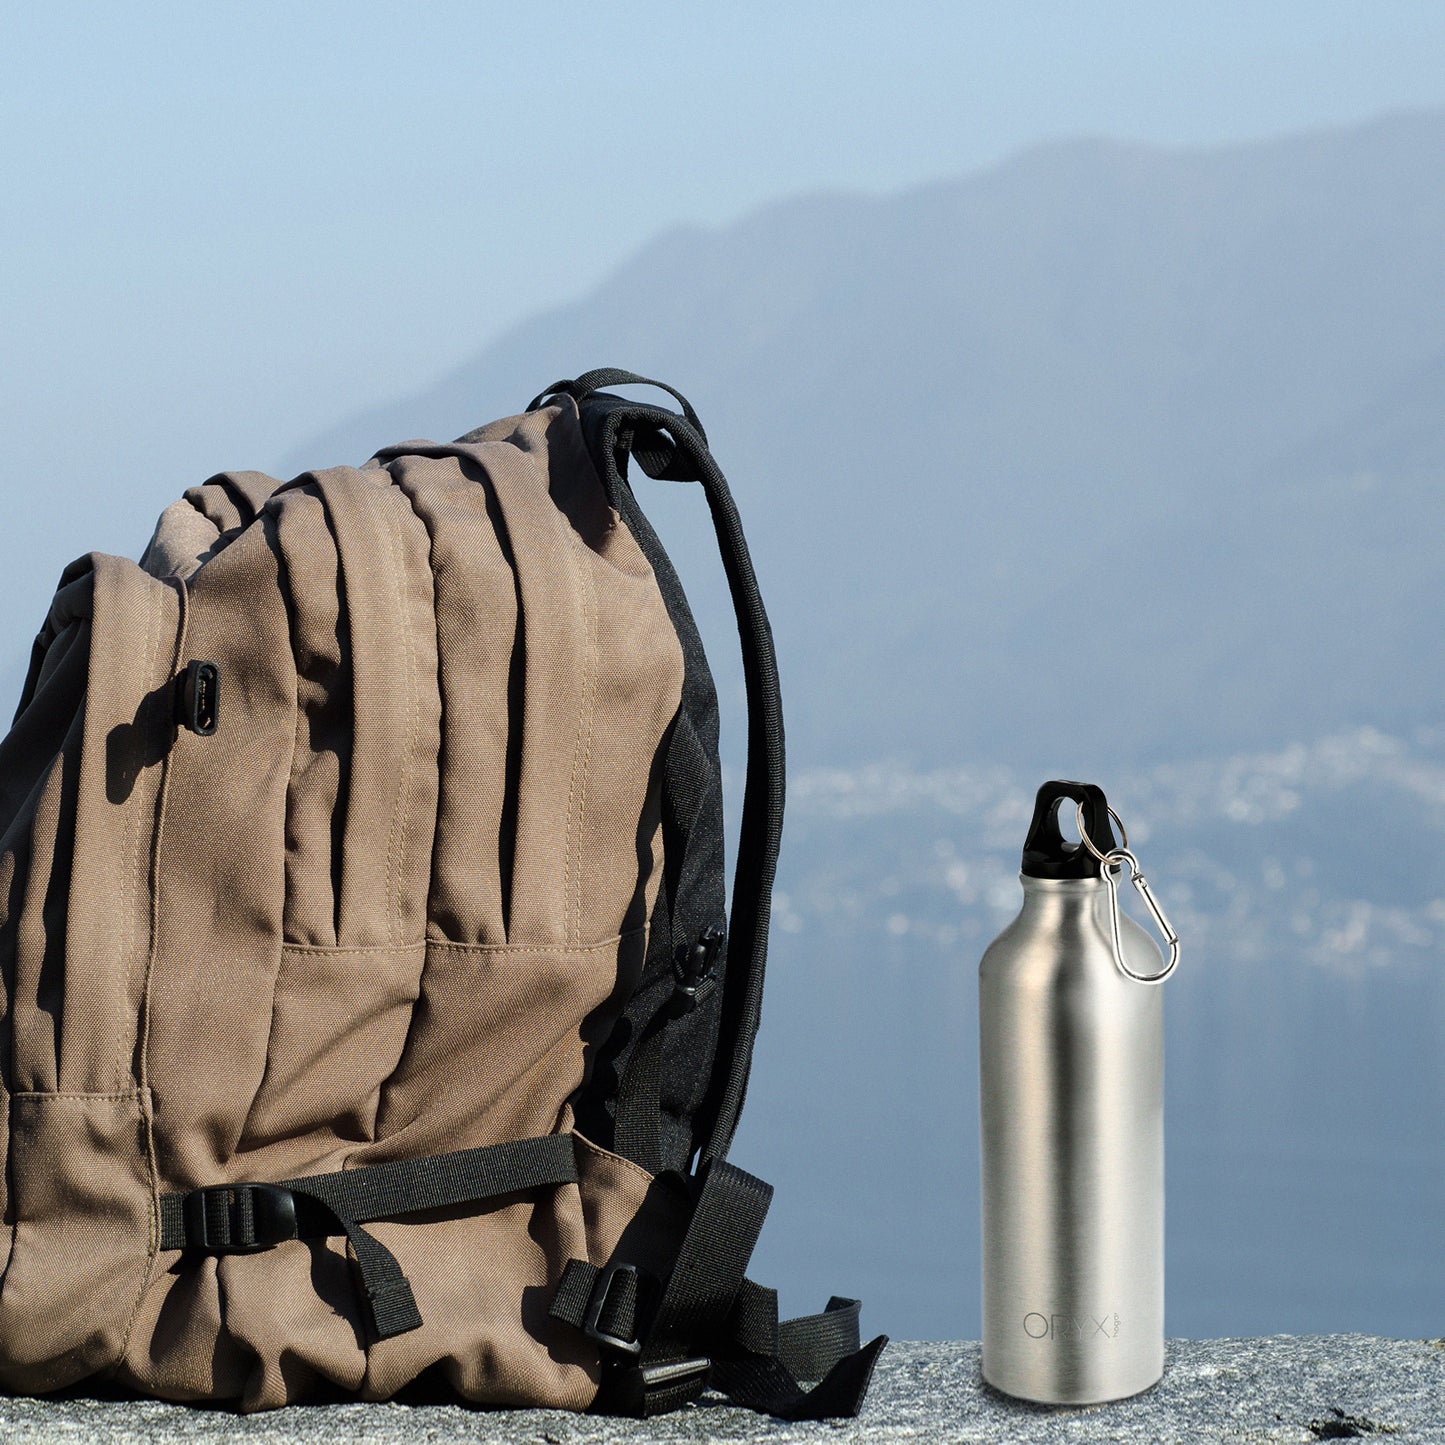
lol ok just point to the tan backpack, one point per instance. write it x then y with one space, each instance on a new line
372 1019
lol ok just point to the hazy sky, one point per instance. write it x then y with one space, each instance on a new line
228 225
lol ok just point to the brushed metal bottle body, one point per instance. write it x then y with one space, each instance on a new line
1072 1111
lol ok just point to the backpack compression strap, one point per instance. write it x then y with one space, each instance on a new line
244 1218
673 447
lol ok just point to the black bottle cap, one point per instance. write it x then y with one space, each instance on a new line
1046 854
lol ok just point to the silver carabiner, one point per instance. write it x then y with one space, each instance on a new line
1111 865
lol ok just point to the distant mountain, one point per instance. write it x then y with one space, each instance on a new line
1117 463
1110 452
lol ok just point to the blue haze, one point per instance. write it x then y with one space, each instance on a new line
1116 458
1112 462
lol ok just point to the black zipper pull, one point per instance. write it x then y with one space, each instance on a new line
198 697
695 969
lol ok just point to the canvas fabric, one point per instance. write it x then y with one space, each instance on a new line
392 908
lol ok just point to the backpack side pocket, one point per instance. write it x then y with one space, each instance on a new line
89 754
83 1211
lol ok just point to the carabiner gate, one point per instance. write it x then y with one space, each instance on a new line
1112 864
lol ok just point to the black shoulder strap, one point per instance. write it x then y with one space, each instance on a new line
673 447
664 1341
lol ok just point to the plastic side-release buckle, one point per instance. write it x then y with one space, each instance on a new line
597 1304
239 1218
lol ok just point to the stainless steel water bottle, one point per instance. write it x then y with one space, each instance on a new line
1071 1055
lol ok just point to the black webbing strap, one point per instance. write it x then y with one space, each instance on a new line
637 1133
708 1274
712 1325
438 1180
653 1121
603 376
810 1368
672 447
653 1353
637 1130
809 1345
619 1301
766 1384
246 1217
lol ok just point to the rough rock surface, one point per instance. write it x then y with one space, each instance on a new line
1283 1388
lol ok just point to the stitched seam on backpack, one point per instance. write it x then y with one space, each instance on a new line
581 754
570 924
396 850
606 1154
146 1109
143 1026
269 522
328 950
553 950
595 659
429 526
72 1096
129 848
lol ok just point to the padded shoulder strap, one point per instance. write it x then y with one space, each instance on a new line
673 447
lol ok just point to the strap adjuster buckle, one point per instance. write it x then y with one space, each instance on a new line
678 1372
635 1391
239 1218
591 1321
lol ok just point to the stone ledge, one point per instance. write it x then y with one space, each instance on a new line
1281 1388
